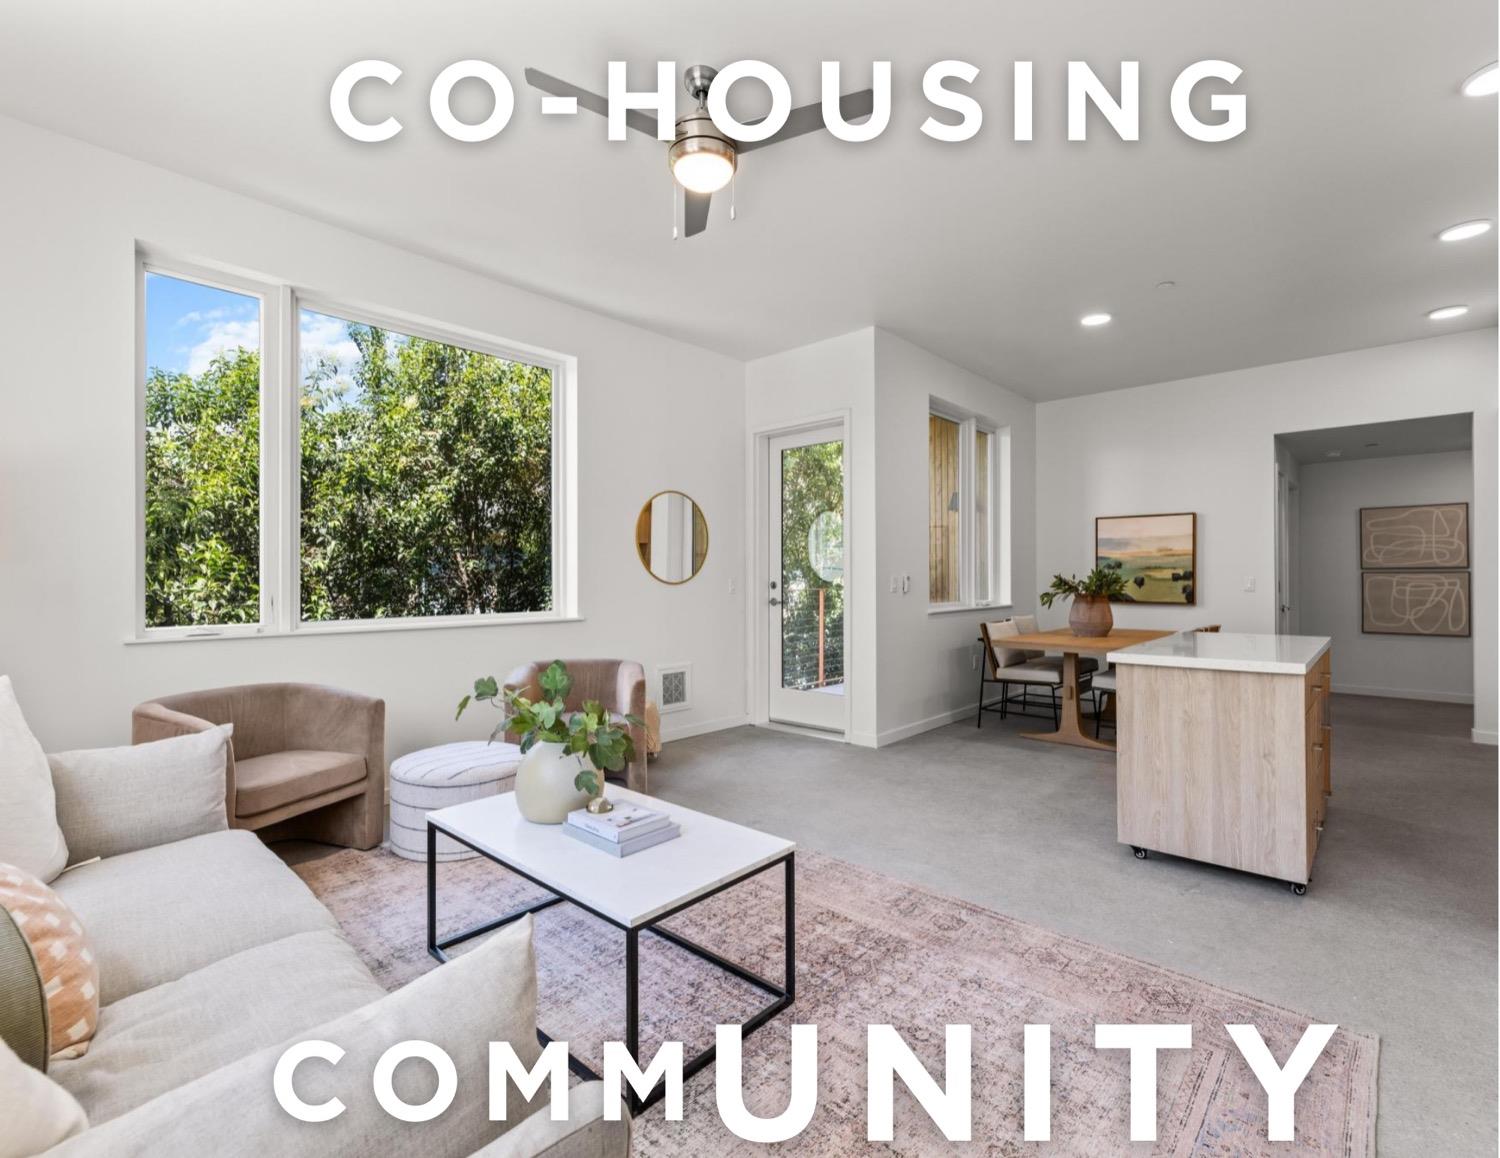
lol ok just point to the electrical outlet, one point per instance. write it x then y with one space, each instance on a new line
895 584
1249 582
733 587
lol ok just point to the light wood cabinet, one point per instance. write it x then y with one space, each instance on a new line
1228 767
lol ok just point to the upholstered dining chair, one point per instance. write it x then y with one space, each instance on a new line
305 761
618 684
1022 667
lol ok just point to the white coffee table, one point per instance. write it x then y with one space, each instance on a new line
633 893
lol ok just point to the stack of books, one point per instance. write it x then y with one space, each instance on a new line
627 829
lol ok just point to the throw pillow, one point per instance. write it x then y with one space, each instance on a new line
37 1112
29 835
116 800
70 976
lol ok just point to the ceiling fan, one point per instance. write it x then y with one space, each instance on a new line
702 159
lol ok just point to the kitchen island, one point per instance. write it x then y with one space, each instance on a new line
1224 744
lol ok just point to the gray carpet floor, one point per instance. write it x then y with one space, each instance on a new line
1396 935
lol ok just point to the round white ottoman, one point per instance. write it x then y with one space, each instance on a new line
434 778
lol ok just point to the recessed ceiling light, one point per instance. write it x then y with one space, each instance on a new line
1165 284
1094 320
1485 82
1369 445
1333 453
1464 230
1447 313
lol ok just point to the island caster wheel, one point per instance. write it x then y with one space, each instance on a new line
1299 890
1140 853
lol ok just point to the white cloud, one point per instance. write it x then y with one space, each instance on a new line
194 317
327 339
221 336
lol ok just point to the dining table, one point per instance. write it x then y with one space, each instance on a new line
1070 728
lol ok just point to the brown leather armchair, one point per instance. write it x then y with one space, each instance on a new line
618 684
305 761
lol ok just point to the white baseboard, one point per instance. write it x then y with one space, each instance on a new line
1404 694
702 728
1490 738
907 731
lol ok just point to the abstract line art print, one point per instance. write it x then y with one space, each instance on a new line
1427 536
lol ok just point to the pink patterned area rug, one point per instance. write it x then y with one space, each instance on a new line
871 949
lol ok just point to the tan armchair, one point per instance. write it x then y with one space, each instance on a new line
618 684
305 761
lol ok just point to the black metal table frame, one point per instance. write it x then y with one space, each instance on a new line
783 994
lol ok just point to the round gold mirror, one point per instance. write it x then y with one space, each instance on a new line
671 537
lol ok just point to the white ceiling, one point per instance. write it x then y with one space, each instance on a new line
1444 432
1311 233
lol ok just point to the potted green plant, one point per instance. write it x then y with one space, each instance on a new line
564 754
1090 614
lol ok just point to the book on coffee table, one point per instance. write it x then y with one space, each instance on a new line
631 844
624 822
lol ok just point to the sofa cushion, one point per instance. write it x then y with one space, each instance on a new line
161 1038
487 994
29 835
158 914
117 800
265 782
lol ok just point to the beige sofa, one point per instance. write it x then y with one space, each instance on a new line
214 956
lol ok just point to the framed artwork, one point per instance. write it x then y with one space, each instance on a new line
1426 537
1431 603
1157 555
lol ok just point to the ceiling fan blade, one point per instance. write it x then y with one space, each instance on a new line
640 121
695 212
809 119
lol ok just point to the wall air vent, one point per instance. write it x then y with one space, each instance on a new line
674 686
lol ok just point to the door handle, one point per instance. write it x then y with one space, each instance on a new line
774 602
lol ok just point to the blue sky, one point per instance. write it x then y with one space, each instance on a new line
188 323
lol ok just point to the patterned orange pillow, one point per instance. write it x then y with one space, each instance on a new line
70 976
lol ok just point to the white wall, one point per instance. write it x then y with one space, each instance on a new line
653 414
1207 445
1328 561
909 670
929 662
832 377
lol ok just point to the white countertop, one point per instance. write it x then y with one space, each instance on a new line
1227 651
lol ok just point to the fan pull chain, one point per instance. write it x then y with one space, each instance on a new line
674 210
731 197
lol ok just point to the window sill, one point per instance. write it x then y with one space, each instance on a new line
968 608
359 628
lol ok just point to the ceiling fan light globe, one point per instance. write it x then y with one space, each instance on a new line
702 171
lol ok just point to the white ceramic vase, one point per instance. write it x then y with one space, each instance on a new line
544 783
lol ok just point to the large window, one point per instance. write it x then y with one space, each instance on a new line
344 470
966 564
202 454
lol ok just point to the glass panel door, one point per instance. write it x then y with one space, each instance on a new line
806 583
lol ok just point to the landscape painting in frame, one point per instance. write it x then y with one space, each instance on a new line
1156 555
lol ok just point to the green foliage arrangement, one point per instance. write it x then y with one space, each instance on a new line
426 485
590 734
1100 581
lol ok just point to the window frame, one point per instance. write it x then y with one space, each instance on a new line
998 508
281 457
